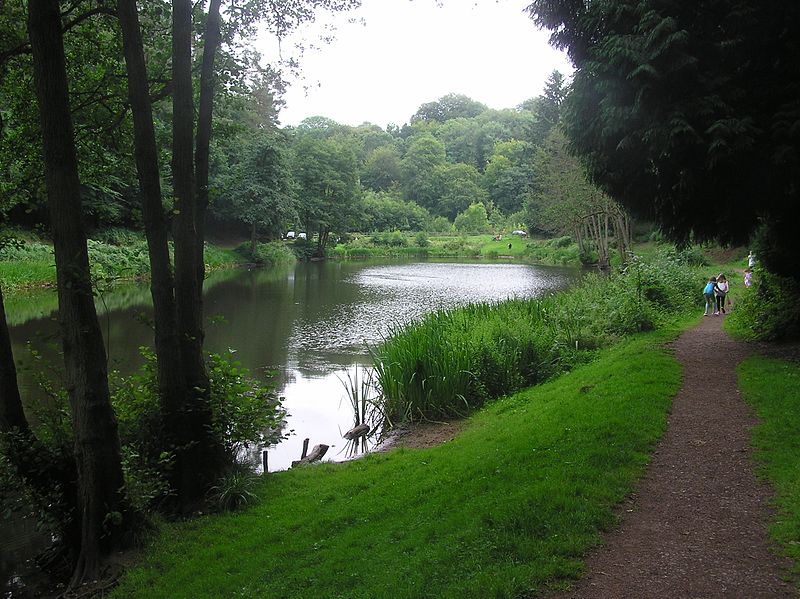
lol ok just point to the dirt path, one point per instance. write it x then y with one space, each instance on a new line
697 527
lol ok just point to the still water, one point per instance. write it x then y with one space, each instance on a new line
311 324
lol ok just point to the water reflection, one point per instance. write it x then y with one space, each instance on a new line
309 323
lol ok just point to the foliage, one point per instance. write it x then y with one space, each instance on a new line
391 239
473 220
452 361
683 114
245 412
303 249
768 310
771 387
268 254
386 211
505 509
324 168
451 106
257 187
234 490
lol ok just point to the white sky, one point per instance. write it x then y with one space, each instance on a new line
409 52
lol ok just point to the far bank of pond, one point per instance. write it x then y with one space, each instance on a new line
311 324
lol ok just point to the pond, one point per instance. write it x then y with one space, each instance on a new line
312 324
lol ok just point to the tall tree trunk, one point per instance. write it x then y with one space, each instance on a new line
45 473
199 458
204 121
12 415
170 372
97 452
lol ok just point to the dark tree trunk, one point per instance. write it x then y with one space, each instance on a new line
97 453
204 122
46 474
199 458
12 415
253 239
170 372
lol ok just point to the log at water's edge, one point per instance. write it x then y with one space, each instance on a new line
316 454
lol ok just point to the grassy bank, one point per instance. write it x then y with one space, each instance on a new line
772 387
561 251
504 510
32 264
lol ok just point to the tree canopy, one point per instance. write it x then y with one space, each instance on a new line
688 113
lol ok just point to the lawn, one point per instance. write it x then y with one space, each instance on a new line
507 508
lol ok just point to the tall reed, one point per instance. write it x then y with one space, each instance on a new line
452 361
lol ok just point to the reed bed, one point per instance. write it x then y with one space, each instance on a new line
452 361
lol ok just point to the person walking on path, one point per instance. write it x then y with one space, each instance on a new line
708 294
697 524
721 292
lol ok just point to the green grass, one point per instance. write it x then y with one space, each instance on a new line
772 387
560 251
506 509
33 264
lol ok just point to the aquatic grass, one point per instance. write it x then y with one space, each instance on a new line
453 361
772 387
507 509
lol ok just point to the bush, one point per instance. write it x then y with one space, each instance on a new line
304 249
561 242
244 412
767 311
390 239
267 254
421 239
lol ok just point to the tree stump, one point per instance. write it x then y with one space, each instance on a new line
316 454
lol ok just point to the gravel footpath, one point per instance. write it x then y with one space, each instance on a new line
697 525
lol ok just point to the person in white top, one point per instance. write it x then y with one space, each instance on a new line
721 292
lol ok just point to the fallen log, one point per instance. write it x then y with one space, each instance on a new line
316 454
356 432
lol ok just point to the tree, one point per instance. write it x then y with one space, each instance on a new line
424 155
457 186
382 169
509 175
688 113
325 172
100 483
473 220
258 189
451 106
564 202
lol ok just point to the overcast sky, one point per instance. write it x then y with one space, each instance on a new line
409 52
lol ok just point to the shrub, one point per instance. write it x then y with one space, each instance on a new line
304 248
561 242
233 490
267 254
767 311
244 412
390 239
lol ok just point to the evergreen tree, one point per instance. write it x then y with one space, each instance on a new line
689 113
